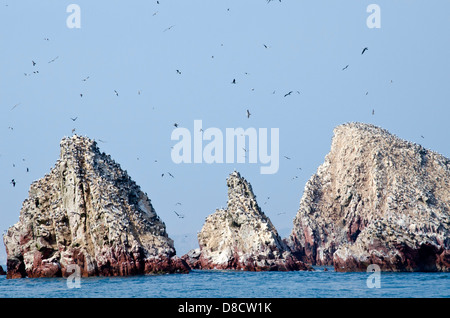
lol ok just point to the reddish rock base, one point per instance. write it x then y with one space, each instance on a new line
196 261
427 258
123 266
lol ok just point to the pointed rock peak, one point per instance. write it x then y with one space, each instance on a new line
238 187
87 211
241 236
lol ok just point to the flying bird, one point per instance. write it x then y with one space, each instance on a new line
15 106
85 79
365 49
167 29
34 63
248 113
234 81
115 92
54 59
373 111
13 182
73 119
176 125
178 71
170 175
345 67
287 158
180 216
288 94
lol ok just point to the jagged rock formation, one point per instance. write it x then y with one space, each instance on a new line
376 199
87 211
241 236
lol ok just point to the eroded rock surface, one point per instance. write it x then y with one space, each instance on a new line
241 236
87 211
377 199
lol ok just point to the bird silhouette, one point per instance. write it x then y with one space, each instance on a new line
115 92
178 71
73 119
345 67
13 182
179 215
248 113
34 63
234 81
365 49
15 106
288 94
53 59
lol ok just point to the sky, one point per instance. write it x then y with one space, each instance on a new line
135 48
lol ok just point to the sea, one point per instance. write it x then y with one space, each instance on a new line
323 282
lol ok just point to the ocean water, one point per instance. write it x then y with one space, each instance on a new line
236 284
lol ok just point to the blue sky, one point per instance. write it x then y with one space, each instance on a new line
124 46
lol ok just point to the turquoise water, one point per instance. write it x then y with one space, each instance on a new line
236 284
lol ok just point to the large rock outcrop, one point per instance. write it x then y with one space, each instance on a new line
376 199
87 211
241 236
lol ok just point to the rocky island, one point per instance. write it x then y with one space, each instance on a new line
241 237
87 211
377 199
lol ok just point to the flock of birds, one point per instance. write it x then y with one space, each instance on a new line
179 72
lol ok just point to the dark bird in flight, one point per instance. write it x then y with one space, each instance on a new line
54 59
178 71
287 158
170 175
81 95
15 106
34 63
85 79
234 81
248 113
422 136
180 216
115 92
288 94
73 119
365 49
167 29
176 125
266 46
13 182
373 111
345 67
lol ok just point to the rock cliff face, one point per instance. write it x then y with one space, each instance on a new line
241 236
87 211
376 199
